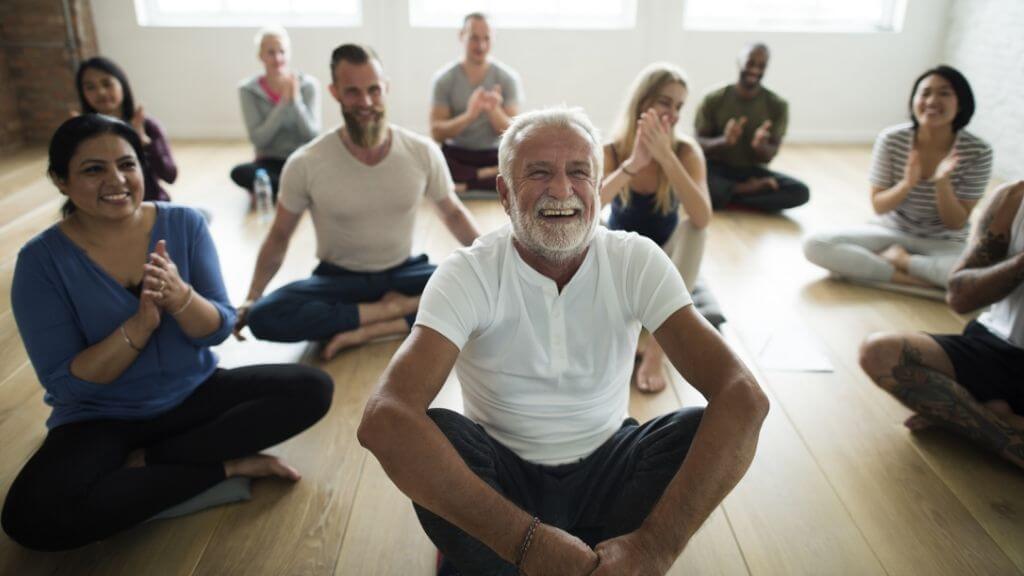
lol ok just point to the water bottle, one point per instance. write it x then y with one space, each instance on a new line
263 193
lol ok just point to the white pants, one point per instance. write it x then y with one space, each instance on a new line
854 253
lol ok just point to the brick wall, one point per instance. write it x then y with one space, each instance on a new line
39 62
986 43
10 124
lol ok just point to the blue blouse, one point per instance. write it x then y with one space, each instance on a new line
64 303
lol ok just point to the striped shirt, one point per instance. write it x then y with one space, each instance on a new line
919 212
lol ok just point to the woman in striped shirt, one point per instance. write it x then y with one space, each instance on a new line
926 176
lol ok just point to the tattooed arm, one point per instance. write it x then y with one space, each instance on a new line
984 273
942 401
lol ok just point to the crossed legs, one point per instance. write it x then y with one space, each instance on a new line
916 370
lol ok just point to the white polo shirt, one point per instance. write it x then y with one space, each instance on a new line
547 374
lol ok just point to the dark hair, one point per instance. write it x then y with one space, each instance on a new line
353 54
70 135
106 65
473 16
962 89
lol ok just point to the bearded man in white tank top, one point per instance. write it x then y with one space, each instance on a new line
970 383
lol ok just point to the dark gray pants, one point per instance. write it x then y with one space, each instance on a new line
722 180
607 494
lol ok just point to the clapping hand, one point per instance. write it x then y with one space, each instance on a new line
912 171
161 277
762 135
478 101
734 130
139 124
657 135
493 98
945 168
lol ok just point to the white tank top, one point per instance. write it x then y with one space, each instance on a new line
1004 318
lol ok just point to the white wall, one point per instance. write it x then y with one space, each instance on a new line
841 87
986 43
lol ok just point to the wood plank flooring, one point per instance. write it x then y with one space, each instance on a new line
838 485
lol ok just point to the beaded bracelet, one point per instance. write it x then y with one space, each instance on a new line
191 293
525 547
124 334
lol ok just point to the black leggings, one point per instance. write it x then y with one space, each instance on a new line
76 490
245 174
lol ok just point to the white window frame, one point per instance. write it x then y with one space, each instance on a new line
895 13
421 16
149 14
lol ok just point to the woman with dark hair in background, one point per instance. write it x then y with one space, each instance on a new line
118 305
103 88
926 177
651 175
281 108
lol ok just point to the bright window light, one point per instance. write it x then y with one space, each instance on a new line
795 15
249 13
565 14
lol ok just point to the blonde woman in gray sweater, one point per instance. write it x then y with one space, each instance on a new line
281 108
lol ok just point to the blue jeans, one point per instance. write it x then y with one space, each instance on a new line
607 494
327 303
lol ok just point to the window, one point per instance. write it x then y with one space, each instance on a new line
795 15
572 14
249 13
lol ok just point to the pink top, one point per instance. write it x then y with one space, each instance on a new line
274 96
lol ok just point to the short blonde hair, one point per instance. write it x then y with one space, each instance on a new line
273 31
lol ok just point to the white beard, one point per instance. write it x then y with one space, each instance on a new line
553 242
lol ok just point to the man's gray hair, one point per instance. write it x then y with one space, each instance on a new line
556 117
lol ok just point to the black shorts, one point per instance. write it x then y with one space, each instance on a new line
989 367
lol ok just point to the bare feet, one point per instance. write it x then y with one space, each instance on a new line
260 466
1000 408
897 256
399 304
488 172
753 185
651 376
460 188
343 340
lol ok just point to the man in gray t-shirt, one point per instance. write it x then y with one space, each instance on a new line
473 102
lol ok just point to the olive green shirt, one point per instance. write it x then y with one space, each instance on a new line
723 104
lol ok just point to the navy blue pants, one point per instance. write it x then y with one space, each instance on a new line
607 494
327 302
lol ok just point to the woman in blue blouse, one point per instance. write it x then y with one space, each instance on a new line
117 305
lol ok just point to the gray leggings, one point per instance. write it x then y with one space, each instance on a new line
853 253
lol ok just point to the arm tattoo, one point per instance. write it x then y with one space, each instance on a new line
945 403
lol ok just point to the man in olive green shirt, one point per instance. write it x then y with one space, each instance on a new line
740 127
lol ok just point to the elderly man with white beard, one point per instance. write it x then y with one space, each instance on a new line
546 473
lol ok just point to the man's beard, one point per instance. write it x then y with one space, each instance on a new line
370 134
553 242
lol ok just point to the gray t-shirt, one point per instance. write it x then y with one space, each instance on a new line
452 90
364 216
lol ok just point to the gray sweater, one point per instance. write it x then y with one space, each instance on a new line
277 130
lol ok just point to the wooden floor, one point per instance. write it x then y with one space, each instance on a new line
838 485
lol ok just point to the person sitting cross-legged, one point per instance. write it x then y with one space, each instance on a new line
545 474
363 184
970 383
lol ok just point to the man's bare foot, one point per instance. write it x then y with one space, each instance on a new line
260 466
399 304
137 458
753 185
343 340
1006 414
460 187
488 172
651 376
916 423
897 256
